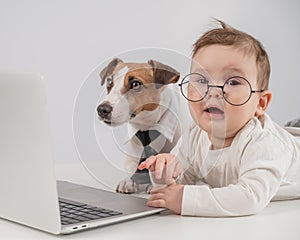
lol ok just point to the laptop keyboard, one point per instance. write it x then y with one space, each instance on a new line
74 212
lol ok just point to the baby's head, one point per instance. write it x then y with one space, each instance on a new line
228 84
229 36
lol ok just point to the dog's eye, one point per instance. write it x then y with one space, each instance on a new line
136 85
109 82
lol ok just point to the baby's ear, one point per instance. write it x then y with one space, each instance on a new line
163 74
264 101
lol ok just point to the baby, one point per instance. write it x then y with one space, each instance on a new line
234 159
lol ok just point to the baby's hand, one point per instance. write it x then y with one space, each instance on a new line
161 162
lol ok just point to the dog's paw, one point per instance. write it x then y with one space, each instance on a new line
148 188
127 186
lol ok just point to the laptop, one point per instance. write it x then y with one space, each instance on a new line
30 194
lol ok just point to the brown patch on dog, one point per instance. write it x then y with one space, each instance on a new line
163 74
148 97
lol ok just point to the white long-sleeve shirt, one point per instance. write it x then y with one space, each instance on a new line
262 164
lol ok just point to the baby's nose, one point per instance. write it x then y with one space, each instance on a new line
215 91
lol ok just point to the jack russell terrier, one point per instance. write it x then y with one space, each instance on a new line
138 93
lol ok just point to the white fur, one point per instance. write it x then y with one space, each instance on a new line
119 103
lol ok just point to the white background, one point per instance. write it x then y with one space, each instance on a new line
65 40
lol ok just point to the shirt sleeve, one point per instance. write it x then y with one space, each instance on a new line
262 166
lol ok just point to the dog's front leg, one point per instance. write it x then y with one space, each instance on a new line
127 186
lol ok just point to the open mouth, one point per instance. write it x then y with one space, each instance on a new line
214 110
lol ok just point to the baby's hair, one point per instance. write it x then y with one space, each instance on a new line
229 36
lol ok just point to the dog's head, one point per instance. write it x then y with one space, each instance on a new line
132 88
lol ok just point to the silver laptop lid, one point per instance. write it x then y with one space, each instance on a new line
27 182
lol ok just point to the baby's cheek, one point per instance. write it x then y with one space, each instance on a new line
195 111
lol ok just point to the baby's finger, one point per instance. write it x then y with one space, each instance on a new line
147 163
156 196
159 167
159 203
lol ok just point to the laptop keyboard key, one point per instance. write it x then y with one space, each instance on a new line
72 212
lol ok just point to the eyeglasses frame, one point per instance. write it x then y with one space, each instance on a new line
218 86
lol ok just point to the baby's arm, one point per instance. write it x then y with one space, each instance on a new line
250 195
260 174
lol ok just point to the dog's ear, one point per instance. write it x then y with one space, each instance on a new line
163 74
109 69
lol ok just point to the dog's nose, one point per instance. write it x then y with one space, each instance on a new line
104 110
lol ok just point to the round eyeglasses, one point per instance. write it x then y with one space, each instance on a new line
236 90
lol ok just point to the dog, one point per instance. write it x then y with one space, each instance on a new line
138 94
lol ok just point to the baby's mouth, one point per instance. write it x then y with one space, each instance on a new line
214 110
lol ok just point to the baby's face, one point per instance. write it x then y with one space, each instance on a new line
213 114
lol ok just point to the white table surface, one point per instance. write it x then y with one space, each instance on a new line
280 220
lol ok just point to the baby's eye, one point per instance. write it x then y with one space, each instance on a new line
233 82
203 81
198 80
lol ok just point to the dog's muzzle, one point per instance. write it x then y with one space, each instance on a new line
104 111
